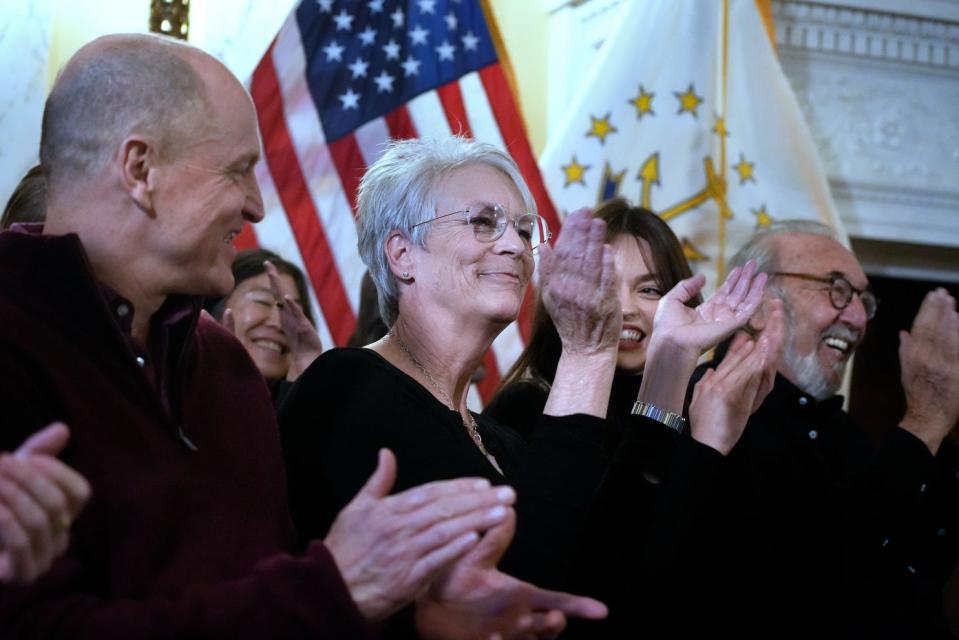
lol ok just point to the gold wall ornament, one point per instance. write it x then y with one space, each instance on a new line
170 18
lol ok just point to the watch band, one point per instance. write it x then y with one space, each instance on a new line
668 418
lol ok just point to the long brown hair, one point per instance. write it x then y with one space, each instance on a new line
540 357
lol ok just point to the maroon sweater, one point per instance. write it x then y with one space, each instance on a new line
188 533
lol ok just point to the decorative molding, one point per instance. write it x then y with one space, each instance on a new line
877 90
865 33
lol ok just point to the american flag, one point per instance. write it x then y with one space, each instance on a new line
340 79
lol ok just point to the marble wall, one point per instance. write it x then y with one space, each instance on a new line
880 91
25 33
38 36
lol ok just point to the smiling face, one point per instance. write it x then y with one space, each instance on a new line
639 294
206 193
821 338
257 323
458 273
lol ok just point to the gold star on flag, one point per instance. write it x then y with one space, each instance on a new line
643 103
692 253
720 127
575 172
688 101
600 128
745 170
763 219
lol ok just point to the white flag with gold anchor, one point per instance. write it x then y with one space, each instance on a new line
687 112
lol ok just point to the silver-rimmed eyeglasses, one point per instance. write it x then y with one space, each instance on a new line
840 291
489 223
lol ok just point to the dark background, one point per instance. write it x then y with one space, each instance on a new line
876 399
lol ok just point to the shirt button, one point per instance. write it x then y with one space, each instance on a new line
141 361
803 401
922 489
910 568
813 434
122 310
885 543
941 532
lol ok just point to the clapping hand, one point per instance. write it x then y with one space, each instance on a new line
39 498
473 600
578 279
390 548
929 357
703 327
725 397
681 334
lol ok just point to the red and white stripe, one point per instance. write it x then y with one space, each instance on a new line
309 185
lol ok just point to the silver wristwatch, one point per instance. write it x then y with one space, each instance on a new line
668 418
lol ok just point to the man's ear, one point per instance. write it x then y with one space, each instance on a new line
399 254
138 159
758 320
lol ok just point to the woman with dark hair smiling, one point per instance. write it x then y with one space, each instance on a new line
649 262
269 313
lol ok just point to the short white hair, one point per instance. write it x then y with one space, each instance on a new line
759 246
397 192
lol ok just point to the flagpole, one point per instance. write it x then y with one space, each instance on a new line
721 202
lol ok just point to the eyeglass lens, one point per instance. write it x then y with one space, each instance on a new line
841 295
489 224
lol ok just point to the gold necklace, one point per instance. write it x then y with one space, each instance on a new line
472 428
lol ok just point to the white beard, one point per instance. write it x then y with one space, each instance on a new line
806 373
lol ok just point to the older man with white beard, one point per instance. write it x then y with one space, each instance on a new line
819 532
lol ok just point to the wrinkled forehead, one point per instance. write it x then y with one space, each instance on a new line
817 255
478 184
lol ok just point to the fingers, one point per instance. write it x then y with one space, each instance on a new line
31 525
595 244
435 562
494 543
16 550
686 290
609 279
274 277
754 296
546 625
50 440
379 484
732 279
450 507
229 322
74 486
569 604
545 256
450 539
743 282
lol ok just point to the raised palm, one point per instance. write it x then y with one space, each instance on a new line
703 327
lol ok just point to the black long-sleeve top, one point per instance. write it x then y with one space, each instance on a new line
655 494
352 402
817 531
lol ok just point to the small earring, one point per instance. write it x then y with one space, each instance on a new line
406 275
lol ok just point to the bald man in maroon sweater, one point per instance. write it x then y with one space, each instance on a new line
148 147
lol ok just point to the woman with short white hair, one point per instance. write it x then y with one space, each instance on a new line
448 230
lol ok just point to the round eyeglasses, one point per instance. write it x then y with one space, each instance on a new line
840 291
489 223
